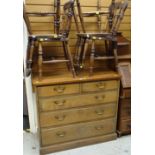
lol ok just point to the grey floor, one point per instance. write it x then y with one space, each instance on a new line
120 146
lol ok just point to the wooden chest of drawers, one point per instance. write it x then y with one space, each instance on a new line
78 112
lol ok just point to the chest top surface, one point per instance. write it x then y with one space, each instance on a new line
66 77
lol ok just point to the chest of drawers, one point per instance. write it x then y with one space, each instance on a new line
76 112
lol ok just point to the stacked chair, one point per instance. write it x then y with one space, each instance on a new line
58 36
109 36
114 16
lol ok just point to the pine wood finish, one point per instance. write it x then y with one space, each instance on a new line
78 131
76 116
49 119
58 90
49 104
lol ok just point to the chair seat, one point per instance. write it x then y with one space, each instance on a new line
98 36
48 37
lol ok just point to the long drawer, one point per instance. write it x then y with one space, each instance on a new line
54 90
57 103
63 117
99 86
78 131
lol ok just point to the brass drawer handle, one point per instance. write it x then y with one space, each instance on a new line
99 112
100 98
100 85
61 134
100 127
59 89
60 103
60 118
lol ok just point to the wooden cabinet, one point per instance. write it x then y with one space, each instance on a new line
124 112
76 112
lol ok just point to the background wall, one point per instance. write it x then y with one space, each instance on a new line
28 87
41 25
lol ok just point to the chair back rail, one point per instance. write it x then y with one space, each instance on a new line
114 14
117 11
56 14
97 14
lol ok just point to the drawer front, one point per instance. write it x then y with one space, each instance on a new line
125 125
78 131
77 100
125 108
99 86
63 117
54 90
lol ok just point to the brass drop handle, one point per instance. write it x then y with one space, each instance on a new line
59 89
61 134
99 112
100 98
60 117
100 127
60 103
100 85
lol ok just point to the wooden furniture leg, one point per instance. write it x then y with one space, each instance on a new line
81 52
66 55
29 58
106 47
92 56
115 54
70 58
76 56
85 50
40 58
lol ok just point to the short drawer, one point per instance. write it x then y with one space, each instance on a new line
100 86
63 117
54 90
125 125
125 108
77 131
57 103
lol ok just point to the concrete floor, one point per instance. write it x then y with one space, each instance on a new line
120 146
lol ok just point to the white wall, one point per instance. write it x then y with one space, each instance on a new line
31 100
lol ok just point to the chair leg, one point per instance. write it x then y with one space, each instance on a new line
85 49
79 52
40 58
92 57
65 53
82 52
106 48
115 54
76 56
29 58
70 58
